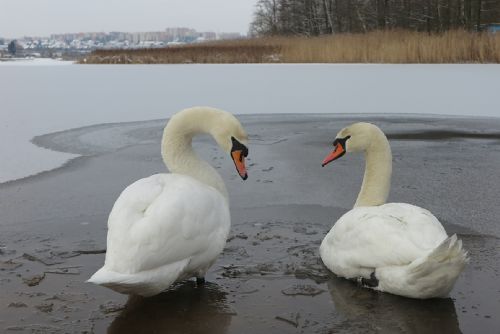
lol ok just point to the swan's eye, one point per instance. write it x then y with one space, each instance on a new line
237 146
341 141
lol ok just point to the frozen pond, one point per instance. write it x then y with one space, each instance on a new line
269 278
36 100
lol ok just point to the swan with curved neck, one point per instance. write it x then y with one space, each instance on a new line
396 247
170 227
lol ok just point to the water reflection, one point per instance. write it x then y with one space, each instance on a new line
185 309
386 313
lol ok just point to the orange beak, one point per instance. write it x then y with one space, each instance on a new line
338 151
239 162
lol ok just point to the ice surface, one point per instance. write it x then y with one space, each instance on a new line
35 62
36 100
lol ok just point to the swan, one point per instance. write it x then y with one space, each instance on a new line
172 226
397 248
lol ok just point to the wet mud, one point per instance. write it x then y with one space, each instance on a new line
269 278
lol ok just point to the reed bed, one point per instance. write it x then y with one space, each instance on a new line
372 47
237 51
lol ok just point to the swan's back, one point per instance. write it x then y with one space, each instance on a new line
164 227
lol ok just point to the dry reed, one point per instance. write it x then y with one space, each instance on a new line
372 47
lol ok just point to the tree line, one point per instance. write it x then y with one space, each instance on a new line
317 17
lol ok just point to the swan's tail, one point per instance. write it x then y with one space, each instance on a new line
143 283
122 283
430 276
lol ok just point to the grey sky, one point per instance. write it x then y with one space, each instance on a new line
43 17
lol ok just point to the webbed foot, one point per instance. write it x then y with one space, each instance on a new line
371 282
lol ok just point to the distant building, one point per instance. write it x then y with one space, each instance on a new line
84 42
229 35
181 33
3 50
493 27
208 35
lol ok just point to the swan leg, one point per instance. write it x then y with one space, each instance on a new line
200 280
371 282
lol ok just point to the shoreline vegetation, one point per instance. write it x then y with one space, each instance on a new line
389 46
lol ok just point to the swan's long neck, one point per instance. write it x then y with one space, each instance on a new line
177 150
377 179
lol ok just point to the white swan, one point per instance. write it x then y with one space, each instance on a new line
170 227
397 248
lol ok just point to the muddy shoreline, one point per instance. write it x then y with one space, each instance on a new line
269 278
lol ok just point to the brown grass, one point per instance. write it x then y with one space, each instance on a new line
238 51
373 47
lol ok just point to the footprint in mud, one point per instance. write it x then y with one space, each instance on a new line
45 307
239 252
237 236
17 305
34 281
262 269
304 230
9 265
263 236
302 290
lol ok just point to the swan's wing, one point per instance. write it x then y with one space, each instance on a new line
391 234
164 219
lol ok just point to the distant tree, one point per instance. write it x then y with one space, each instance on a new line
2 41
12 47
265 18
317 17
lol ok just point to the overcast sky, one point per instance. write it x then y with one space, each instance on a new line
44 17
